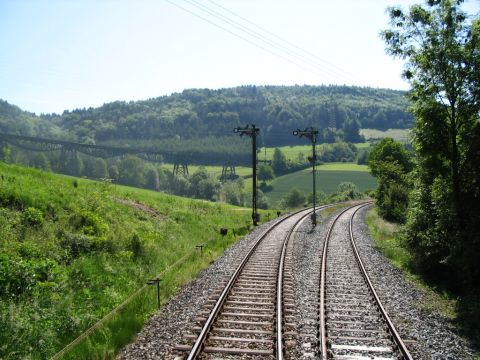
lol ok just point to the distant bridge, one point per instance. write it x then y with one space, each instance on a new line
179 158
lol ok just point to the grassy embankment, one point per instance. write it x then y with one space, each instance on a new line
73 249
386 237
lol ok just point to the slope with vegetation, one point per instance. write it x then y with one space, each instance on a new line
72 249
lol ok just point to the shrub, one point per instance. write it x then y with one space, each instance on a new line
294 198
32 217
76 244
136 246
90 223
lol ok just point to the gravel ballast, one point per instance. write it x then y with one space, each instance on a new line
428 335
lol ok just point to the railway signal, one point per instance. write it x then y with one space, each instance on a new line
252 132
311 134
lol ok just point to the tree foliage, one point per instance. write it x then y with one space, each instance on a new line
199 113
279 162
442 48
390 163
265 172
294 198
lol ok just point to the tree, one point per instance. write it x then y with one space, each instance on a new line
71 163
348 191
99 169
132 171
441 46
262 200
388 151
208 188
351 131
152 180
390 163
319 197
6 154
265 172
40 161
279 162
294 198
113 172
232 192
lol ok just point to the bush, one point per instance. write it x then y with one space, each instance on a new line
294 198
90 223
136 246
346 191
32 217
76 244
392 201
20 277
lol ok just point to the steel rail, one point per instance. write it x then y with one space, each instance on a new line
199 342
323 274
281 266
398 340
323 334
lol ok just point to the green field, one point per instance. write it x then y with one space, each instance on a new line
72 249
327 178
213 170
402 135
291 152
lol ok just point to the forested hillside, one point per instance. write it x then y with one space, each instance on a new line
13 120
198 113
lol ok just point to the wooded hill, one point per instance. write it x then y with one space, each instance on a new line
200 113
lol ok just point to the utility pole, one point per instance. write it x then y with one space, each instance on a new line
252 132
311 134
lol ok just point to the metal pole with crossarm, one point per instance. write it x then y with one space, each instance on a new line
252 132
311 134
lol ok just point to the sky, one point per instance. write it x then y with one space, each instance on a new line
58 55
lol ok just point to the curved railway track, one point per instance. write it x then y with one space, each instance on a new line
353 323
250 317
250 314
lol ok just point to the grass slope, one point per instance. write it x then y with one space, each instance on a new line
327 179
73 249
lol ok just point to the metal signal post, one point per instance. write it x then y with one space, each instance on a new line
311 134
252 131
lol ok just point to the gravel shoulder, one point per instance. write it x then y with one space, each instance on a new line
428 335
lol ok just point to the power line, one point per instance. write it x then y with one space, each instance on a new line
241 37
254 34
272 43
282 39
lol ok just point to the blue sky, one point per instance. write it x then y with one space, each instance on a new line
57 55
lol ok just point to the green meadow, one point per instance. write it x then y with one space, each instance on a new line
402 135
327 178
291 152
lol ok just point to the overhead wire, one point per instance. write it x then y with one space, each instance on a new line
270 42
241 37
313 66
308 53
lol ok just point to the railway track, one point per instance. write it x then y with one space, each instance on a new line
249 315
353 323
